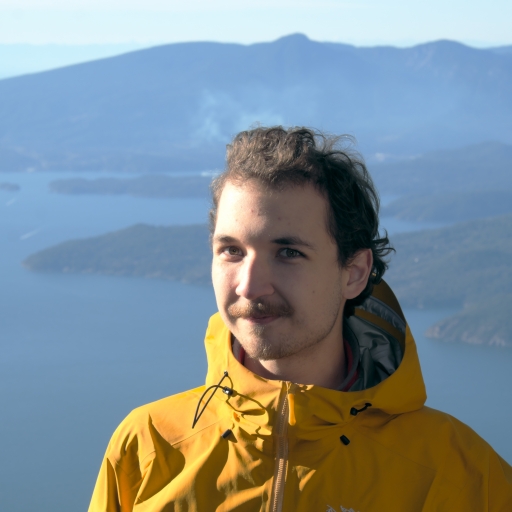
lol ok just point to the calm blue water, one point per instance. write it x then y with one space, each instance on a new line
79 352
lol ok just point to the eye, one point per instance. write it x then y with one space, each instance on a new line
232 251
289 253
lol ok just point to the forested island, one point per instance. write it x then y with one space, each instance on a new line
9 187
464 266
450 207
150 185
177 253
485 166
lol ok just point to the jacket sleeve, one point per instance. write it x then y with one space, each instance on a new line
105 497
116 489
500 485
481 479
120 476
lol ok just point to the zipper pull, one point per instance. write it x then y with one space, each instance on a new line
291 405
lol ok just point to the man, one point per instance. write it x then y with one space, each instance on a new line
314 399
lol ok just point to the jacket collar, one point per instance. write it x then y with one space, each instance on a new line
314 410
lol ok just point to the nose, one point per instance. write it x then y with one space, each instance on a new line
254 279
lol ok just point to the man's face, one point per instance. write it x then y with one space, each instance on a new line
277 280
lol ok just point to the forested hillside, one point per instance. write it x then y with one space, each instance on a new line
174 107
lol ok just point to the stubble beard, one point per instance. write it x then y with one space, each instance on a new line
260 343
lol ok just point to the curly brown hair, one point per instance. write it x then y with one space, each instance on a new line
279 157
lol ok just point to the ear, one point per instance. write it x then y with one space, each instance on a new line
357 273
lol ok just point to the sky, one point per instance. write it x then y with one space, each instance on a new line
359 22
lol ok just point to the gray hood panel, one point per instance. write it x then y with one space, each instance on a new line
378 352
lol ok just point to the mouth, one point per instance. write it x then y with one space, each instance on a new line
261 320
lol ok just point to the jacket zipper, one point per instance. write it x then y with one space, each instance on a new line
281 454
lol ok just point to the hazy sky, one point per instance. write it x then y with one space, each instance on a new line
362 22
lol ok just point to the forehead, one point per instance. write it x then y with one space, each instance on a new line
256 209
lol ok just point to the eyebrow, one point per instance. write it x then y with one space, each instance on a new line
293 240
283 240
223 239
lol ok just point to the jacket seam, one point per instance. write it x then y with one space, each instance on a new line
192 434
146 456
119 465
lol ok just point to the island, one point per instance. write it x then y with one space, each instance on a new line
150 185
450 207
484 166
465 266
177 253
9 187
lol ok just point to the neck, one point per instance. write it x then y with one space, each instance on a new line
323 364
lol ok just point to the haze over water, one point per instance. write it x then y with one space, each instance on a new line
79 352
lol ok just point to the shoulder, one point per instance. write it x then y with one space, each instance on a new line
465 472
433 439
451 434
468 461
457 456
430 435
156 426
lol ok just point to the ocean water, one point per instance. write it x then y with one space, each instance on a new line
79 352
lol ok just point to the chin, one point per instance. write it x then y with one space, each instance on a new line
263 351
266 348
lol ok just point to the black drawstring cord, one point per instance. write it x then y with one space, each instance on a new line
355 411
227 390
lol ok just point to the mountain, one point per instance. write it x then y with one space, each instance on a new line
450 207
477 167
455 266
466 265
174 107
502 50
486 322
22 58
14 159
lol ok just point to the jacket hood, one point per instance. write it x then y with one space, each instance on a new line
390 377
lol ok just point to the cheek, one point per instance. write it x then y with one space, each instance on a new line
323 291
300 289
223 280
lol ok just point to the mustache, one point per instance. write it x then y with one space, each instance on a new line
259 309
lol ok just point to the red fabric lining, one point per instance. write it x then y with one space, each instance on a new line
241 355
350 361
348 353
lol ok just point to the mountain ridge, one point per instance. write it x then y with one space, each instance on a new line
477 167
180 103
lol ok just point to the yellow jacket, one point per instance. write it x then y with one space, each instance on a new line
273 445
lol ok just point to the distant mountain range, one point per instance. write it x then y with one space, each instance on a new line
484 166
174 107
23 58
443 186
451 206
